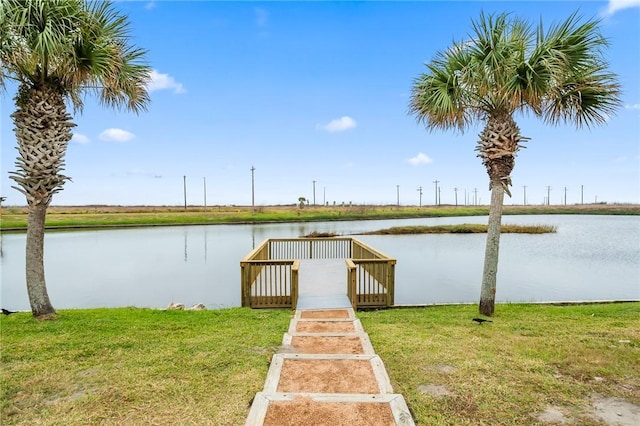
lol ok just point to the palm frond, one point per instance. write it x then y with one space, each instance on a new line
439 98
580 88
507 65
585 99
76 47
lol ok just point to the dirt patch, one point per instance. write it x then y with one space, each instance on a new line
616 411
608 410
441 368
327 344
325 327
552 415
301 410
325 314
434 390
327 376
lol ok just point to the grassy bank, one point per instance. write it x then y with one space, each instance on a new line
464 228
138 366
15 218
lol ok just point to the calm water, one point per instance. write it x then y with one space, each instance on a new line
589 258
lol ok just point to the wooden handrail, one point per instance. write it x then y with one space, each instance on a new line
351 283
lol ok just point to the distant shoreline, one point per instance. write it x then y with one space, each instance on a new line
14 219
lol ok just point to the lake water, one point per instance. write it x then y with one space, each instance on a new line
589 258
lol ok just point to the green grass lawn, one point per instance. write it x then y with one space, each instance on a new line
529 358
142 366
136 366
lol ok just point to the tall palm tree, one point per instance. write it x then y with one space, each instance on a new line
508 67
57 51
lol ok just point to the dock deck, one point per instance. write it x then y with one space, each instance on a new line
323 284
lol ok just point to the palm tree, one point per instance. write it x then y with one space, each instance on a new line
57 50
508 67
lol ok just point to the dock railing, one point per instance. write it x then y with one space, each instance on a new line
269 273
370 276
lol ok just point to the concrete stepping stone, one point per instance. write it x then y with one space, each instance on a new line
283 409
327 373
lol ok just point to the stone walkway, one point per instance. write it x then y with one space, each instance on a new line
327 373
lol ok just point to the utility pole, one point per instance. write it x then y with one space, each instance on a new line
455 190
205 193
436 182
324 195
420 191
398 195
439 195
548 195
466 197
253 200
565 195
525 194
314 192
475 196
184 191
581 194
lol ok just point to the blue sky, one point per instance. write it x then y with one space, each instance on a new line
319 91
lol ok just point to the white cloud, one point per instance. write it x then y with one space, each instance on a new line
339 124
116 135
419 159
634 106
161 81
262 17
618 5
80 138
150 5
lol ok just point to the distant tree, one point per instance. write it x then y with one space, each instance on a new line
301 201
57 50
506 66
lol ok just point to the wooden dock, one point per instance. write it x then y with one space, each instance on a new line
316 272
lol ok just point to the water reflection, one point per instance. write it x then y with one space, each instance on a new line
205 244
185 245
590 258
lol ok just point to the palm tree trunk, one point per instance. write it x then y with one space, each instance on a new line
36 287
43 130
499 142
490 273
